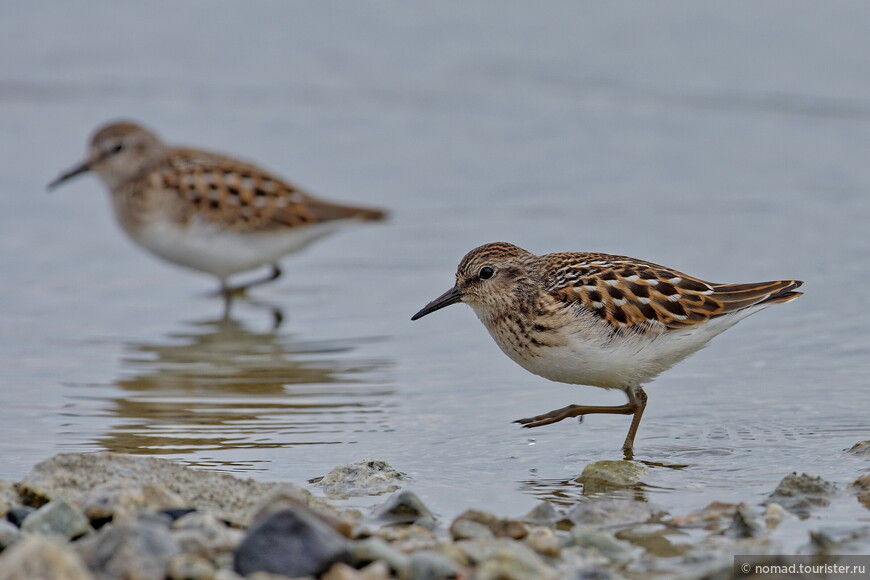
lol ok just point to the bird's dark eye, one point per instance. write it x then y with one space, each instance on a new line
117 148
486 273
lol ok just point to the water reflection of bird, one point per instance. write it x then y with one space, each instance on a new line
217 385
206 211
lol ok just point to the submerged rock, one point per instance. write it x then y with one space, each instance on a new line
365 477
602 474
139 547
104 483
292 542
42 558
801 493
58 518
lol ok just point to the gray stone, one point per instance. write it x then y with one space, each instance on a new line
139 548
505 559
467 529
9 497
292 542
799 494
543 540
120 499
607 512
613 473
202 533
404 507
42 558
374 549
93 479
601 543
190 567
9 534
500 527
429 565
17 514
59 518
543 514
365 477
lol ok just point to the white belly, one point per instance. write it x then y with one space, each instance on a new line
223 252
591 357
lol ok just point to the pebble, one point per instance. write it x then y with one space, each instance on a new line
603 474
799 494
59 518
359 478
190 567
592 542
544 541
404 507
139 547
374 571
374 549
862 489
608 512
42 558
543 514
505 559
9 534
499 527
292 542
203 533
9 497
467 529
430 565
17 514
773 515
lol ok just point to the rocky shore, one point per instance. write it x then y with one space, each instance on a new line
110 516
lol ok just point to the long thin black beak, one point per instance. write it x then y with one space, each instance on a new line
78 170
452 296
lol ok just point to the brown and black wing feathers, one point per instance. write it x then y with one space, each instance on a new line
630 293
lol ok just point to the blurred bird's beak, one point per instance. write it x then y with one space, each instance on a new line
452 296
84 167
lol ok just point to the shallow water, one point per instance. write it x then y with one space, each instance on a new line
726 141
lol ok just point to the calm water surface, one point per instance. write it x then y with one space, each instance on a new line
730 145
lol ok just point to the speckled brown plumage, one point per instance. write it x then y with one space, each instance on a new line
204 210
598 319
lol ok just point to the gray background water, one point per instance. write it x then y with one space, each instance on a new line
728 140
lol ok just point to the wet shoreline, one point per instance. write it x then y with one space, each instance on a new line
108 515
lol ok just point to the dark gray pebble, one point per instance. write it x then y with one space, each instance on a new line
292 542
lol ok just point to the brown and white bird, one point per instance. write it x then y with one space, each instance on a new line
203 210
596 319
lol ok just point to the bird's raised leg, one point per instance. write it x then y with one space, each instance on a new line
636 404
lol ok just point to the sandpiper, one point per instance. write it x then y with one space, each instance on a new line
596 319
203 210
